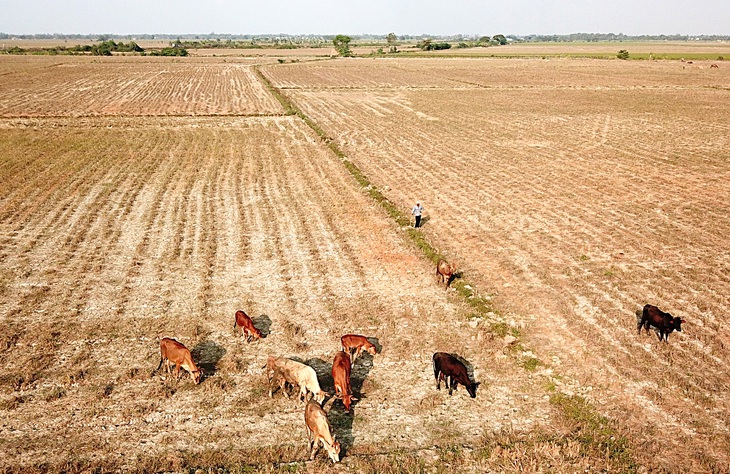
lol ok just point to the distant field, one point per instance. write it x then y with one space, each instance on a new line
146 197
80 86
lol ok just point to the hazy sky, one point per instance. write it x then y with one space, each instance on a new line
412 17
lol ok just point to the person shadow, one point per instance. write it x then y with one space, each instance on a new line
424 220
263 324
206 355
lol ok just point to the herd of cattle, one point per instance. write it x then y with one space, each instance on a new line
284 373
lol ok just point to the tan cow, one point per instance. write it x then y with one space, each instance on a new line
444 272
354 344
175 353
246 324
318 429
341 369
301 374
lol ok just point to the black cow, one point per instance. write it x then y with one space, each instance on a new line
450 369
663 323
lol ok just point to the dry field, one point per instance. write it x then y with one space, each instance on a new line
124 86
574 192
568 192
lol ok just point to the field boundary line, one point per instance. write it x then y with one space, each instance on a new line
594 432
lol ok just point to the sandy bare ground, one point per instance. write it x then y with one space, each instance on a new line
574 192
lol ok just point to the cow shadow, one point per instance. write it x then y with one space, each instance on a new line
341 420
324 373
206 354
263 324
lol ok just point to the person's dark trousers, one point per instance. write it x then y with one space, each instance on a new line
418 221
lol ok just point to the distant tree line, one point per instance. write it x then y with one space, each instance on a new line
104 48
322 39
595 37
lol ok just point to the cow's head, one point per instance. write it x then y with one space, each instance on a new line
197 375
319 396
372 350
472 389
677 324
347 401
334 450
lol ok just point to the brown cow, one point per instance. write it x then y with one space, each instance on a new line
450 369
354 344
246 324
663 323
341 369
444 272
318 429
175 353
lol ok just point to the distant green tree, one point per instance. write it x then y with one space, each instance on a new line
428 45
623 54
500 39
342 45
392 39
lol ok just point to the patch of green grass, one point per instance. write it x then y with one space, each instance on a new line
530 363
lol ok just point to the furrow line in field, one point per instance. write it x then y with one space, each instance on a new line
141 223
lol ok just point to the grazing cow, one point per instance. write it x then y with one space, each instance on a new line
714 66
450 369
651 316
246 324
318 429
444 272
341 369
354 344
300 374
173 352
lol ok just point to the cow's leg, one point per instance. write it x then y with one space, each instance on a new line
315 447
177 372
438 380
309 439
450 384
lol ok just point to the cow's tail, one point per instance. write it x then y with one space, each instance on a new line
162 359
435 370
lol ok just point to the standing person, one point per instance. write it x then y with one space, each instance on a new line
417 211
